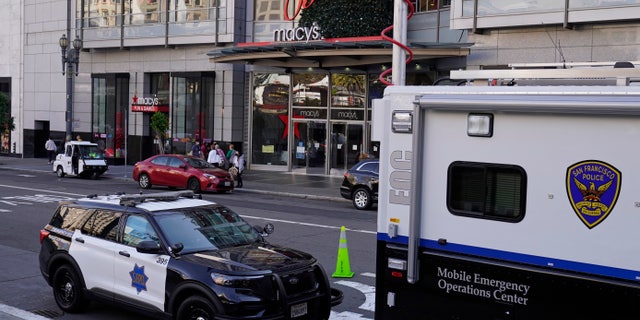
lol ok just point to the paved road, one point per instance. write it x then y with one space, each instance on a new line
256 181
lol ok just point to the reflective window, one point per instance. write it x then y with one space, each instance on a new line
487 190
193 100
175 162
110 100
102 224
269 10
430 5
348 90
143 11
270 118
206 228
310 89
600 3
192 10
161 161
138 229
70 218
109 13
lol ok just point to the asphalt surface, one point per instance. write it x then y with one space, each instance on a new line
318 187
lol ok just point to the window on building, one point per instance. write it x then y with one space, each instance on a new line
348 90
110 102
269 10
192 113
270 118
430 5
192 10
487 190
110 13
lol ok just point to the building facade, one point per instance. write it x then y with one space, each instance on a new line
219 73
11 70
546 31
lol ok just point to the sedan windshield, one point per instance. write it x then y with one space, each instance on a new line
206 228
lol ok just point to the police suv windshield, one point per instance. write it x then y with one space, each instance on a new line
206 228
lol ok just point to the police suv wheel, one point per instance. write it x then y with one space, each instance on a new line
144 182
67 290
195 308
60 171
362 199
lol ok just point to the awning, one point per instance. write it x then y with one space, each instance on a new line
327 53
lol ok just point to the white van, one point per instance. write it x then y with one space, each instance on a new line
80 158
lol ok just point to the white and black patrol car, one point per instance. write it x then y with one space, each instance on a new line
177 256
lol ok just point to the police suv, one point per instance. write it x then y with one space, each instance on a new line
175 255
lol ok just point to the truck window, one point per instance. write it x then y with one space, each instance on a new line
487 190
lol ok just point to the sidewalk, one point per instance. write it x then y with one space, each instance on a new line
256 181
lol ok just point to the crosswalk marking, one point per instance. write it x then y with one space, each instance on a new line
368 291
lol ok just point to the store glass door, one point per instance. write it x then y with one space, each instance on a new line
346 145
310 153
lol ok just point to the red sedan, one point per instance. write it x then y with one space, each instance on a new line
179 171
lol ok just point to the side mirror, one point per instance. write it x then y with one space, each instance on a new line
176 248
266 230
148 246
269 228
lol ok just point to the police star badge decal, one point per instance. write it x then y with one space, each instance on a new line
593 188
138 278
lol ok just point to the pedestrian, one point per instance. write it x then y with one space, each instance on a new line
51 148
224 162
238 163
230 152
195 149
213 157
79 138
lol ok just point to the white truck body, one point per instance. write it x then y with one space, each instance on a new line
80 158
568 234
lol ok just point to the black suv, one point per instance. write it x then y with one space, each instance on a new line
360 184
177 256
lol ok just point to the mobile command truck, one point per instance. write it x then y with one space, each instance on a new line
510 201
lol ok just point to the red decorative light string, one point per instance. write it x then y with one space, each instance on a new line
403 46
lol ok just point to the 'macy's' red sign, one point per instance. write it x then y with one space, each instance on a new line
301 4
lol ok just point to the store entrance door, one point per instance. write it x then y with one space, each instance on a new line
346 145
310 153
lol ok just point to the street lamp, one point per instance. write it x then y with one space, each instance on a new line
70 60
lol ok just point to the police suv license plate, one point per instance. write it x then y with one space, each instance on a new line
298 310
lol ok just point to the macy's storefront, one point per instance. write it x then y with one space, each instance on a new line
313 115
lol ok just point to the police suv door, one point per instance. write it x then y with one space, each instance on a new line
92 247
140 276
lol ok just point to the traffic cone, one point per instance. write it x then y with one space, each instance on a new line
343 269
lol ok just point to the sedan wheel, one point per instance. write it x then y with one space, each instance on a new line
144 182
362 199
194 185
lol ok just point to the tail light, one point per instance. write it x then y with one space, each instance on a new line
43 234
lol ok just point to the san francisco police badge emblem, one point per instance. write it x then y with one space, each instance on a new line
593 188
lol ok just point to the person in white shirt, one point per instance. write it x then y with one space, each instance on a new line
51 148
214 157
